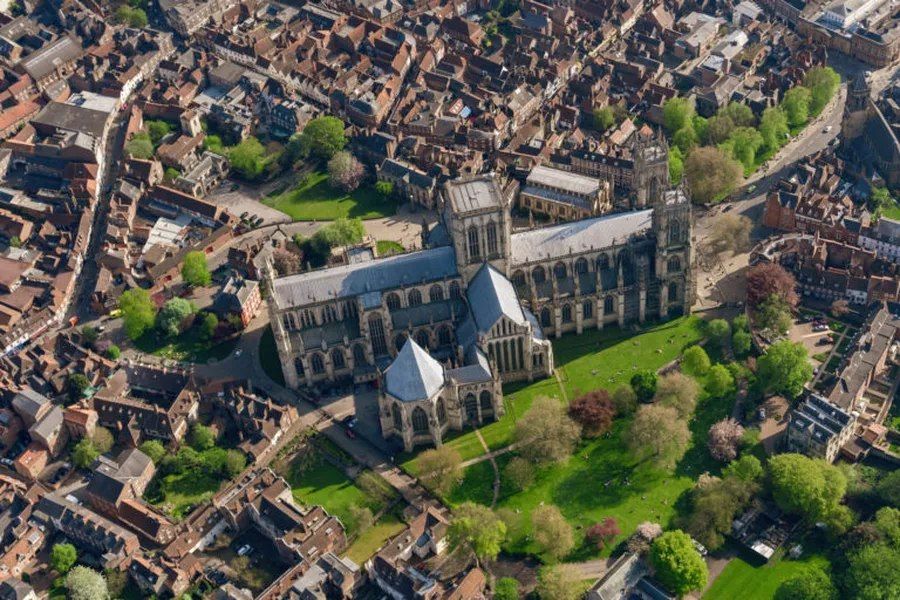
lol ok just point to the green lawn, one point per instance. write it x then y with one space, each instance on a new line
314 200
268 357
326 485
186 490
890 212
388 247
189 346
374 538
596 359
742 581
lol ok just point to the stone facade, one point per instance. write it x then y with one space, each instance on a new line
467 317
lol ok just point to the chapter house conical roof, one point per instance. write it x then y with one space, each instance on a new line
414 374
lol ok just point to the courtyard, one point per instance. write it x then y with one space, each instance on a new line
313 199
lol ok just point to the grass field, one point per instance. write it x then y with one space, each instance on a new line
742 581
326 485
314 200
189 346
186 490
388 247
591 484
890 212
268 357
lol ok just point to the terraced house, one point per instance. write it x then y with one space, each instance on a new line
443 328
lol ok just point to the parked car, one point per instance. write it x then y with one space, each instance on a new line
245 550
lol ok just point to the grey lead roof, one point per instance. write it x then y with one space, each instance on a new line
361 278
414 374
491 296
474 193
579 236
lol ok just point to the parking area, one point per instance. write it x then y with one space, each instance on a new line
240 199
816 337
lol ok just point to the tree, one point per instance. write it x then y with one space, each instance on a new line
773 126
201 437
766 279
594 412
711 174
822 83
685 139
643 536
774 314
810 584
84 453
102 439
676 164
362 516
839 308
506 588
77 384
135 17
140 147
385 189
194 269
887 521
138 312
248 158
729 233
719 381
695 361
324 136
719 129
603 118
741 343
89 336
624 401
154 450
714 504
285 262
439 469
804 486
235 462
604 532
476 530
15 242
643 383
175 312
63 557
743 144
888 489
519 473
678 391
741 114
113 352
117 580
658 433
157 130
551 531
873 573
545 433
345 172
746 468
785 368
725 439
677 114
796 106
209 325
83 583
560 582
720 331
679 567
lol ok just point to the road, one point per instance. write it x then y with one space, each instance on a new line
87 280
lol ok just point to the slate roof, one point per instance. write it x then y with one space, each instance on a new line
29 402
51 422
15 589
360 278
578 236
491 296
414 374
